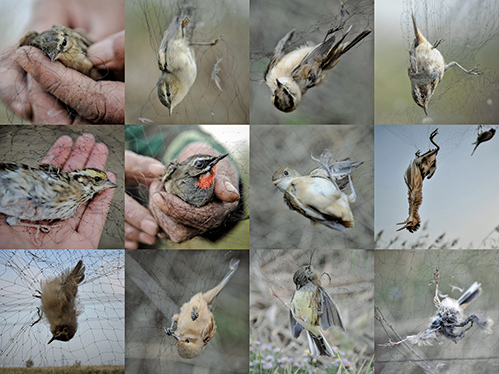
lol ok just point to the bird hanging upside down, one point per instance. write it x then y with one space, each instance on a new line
483 137
423 166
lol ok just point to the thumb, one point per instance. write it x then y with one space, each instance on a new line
225 190
109 53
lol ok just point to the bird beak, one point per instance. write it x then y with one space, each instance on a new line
52 57
51 340
425 112
170 110
110 184
215 161
279 84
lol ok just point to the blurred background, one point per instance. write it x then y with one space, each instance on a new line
29 144
470 30
100 338
404 306
347 95
273 224
459 201
347 276
146 22
158 283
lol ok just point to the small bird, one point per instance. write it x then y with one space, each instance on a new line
177 61
317 196
423 166
290 75
449 317
58 297
311 308
66 45
427 68
483 137
46 192
193 180
195 325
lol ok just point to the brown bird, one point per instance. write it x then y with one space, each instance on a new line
195 324
193 180
65 45
423 166
483 137
58 302
427 68
290 75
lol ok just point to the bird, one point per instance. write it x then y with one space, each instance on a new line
58 297
176 61
46 193
483 137
422 167
290 75
193 180
427 68
312 309
450 317
195 324
318 196
66 45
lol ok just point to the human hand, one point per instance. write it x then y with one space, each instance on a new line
140 225
82 230
182 221
27 96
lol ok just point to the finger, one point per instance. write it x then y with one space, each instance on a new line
142 169
48 13
99 102
98 157
175 231
225 190
133 234
131 244
81 151
59 153
109 53
46 108
140 217
95 215
13 86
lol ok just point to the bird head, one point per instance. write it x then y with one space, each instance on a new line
63 333
283 177
287 96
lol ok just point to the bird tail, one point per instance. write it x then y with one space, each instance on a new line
78 272
212 294
319 345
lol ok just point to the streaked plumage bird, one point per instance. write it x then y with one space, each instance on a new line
58 296
483 137
290 75
195 324
312 309
66 45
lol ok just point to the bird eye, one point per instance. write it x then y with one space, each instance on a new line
97 179
187 340
64 42
285 172
198 164
168 93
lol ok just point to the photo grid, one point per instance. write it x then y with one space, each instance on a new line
269 186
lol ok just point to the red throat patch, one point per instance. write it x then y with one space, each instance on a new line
207 180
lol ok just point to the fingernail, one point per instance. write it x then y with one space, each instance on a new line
146 239
230 188
149 227
156 169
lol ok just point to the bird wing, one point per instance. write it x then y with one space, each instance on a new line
330 315
278 52
296 328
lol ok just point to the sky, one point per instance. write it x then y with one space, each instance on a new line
100 336
460 200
